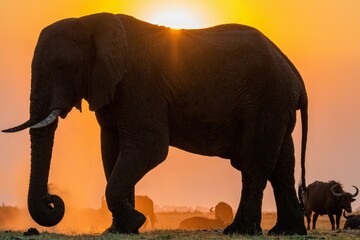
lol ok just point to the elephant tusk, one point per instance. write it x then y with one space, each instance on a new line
49 120
23 126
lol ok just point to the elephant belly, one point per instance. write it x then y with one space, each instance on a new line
204 140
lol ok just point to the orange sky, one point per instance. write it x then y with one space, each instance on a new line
321 38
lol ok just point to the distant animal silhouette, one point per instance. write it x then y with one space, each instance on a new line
223 216
223 212
352 221
325 198
8 213
146 206
200 223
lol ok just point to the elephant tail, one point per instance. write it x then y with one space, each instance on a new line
301 194
304 121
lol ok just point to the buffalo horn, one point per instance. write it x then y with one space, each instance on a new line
335 194
356 193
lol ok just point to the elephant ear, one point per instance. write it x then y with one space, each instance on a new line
108 50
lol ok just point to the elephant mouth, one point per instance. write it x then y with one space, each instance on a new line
52 117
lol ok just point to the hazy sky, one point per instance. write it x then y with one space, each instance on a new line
320 37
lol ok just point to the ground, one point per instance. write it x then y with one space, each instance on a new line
166 228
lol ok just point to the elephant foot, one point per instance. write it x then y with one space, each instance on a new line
243 228
287 230
128 225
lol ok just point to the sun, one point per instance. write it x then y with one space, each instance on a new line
176 17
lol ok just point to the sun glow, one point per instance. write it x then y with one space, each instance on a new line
176 17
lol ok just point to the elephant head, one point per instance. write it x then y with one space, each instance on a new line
74 58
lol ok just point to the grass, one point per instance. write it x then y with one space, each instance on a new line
166 229
180 234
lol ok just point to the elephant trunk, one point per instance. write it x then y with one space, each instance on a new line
47 210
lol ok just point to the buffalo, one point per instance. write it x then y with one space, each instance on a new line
223 212
224 215
352 221
325 198
200 223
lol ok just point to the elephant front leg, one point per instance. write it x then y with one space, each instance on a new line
248 217
110 145
120 198
137 156
110 153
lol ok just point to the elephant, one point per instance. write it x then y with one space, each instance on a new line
145 205
225 91
223 212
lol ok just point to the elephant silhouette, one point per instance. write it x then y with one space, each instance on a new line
225 91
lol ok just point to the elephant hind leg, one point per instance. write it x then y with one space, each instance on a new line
257 156
248 217
290 218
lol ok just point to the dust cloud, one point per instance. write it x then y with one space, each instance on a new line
96 221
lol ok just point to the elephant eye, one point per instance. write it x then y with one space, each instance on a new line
67 59
50 206
64 64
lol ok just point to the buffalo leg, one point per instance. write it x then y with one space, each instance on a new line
338 216
308 219
332 221
315 217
